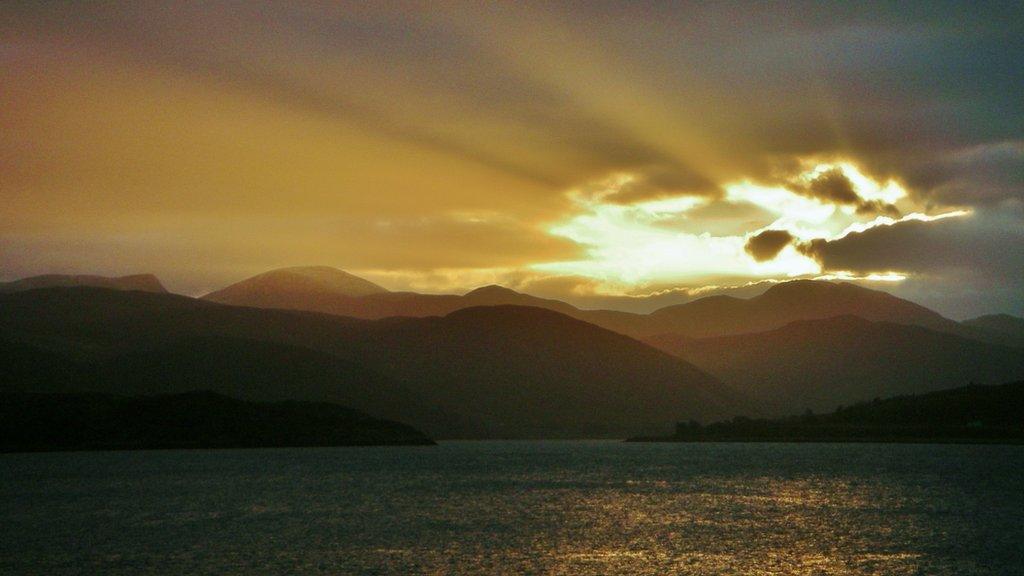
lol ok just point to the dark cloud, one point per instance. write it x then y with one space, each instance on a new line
767 244
877 207
978 174
911 246
652 183
834 187
978 257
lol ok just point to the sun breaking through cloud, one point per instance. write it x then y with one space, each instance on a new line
636 147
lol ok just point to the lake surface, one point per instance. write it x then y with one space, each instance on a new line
518 508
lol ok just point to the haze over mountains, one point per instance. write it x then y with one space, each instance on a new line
494 362
711 316
819 364
321 289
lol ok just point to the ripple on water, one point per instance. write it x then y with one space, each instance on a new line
519 508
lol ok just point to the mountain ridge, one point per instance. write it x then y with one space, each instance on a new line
141 282
703 317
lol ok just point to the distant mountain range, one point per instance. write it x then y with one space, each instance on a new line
44 422
481 372
493 362
290 288
347 295
332 291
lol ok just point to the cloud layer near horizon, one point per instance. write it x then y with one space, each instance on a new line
437 145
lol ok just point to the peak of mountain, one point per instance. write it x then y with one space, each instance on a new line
494 295
139 282
489 371
804 288
492 290
301 287
821 363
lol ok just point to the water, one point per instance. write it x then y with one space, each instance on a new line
518 508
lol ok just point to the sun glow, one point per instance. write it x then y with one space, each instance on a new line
847 276
805 218
661 240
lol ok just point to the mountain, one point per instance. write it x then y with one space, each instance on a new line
27 368
499 371
967 414
819 364
999 328
299 288
533 372
789 302
143 282
36 422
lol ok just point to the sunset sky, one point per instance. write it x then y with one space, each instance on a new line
569 150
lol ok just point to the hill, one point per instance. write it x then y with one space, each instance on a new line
41 422
819 364
502 371
143 282
999 328
968 414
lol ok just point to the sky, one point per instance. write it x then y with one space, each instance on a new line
596 152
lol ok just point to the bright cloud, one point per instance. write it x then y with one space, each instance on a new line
656 241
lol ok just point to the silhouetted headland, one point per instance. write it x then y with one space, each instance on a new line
967 415
31 422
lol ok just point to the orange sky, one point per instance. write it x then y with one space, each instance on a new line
568 149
